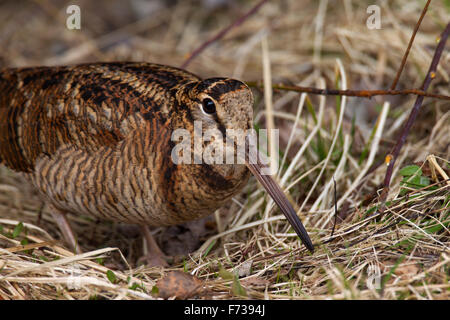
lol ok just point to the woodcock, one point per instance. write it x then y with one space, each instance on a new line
95 139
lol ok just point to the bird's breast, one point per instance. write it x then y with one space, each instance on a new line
119 184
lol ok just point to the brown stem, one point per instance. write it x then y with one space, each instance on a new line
411 40
222 33
351 93
415 111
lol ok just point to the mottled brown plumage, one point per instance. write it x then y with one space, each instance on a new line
95 139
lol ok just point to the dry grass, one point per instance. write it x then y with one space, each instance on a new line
314 43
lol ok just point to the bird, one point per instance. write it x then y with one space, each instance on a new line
96 139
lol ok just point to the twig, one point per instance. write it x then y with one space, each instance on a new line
395 81
414 112
411 40
222 33
351 93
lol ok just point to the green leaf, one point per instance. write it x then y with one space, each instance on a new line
434 229
437 227
111 276
136 286
237 288
155 290
416 182
310 109
24 242
371 210
226 275
364 154
409 242
211 245
17 230
410 170
321 149
447 4
424 181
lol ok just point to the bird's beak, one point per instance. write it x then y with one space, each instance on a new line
255 167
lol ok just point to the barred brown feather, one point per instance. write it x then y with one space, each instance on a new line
95 139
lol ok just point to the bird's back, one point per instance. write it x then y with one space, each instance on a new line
86 106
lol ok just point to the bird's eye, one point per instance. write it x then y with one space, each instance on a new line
208 106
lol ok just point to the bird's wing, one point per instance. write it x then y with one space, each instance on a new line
87 106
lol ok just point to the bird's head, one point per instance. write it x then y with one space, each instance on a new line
220 110
219 103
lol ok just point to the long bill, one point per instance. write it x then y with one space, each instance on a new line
280 199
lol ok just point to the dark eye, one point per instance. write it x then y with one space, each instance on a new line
208 106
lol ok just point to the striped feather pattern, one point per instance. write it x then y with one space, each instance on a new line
95 139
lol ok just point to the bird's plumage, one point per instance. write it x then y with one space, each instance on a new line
97 139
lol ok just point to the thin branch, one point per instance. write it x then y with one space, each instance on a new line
352 93
222 33
411 40
395 81
415 111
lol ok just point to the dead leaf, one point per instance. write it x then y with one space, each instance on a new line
178 284
255 282
32 246
244 269
407 270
